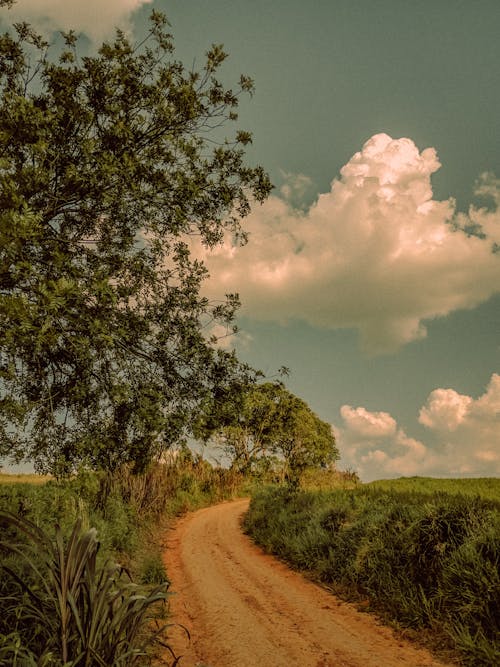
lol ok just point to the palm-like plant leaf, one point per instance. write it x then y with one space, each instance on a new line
86 614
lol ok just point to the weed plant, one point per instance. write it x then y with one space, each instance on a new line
424 559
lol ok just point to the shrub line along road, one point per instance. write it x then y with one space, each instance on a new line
244 608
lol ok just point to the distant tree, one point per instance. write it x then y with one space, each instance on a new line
238 421
107 164
266 420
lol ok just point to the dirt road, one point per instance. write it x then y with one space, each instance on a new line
244 608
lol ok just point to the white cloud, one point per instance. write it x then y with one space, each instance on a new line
488 403
445 410
372 444
96 18
296 189
376 253
464 438
469 427
367 424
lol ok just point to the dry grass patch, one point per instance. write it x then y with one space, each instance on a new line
23 478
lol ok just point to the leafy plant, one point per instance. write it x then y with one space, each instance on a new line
69 610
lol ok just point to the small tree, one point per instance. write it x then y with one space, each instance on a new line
253 422
107 164
301 437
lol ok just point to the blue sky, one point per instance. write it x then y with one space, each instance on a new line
379 125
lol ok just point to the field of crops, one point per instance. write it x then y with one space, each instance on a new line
484 487
425 553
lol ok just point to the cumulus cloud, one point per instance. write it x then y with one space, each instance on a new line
470 427
445 410
464 438
296 189
375 446
370 425
96 18
376 253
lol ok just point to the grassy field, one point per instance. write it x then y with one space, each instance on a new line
424 553
7 478
484 487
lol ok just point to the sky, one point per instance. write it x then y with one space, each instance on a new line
378 123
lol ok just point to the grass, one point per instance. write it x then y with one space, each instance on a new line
484 487
72 550
424 552
424 555
319 479
23 478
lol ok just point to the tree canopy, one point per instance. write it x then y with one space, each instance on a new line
263 420
107 164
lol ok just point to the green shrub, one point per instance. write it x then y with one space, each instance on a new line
152 570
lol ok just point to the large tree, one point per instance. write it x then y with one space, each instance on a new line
107 164
254 422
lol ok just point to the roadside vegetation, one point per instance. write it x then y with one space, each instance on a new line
82 577
486 487
423 553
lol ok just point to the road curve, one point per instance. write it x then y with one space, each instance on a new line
244 608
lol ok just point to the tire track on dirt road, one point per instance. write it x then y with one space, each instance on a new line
244 608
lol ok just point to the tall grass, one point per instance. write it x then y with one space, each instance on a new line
124 507
64 598
427 560
68 610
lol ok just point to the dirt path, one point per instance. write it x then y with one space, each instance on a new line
244 608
